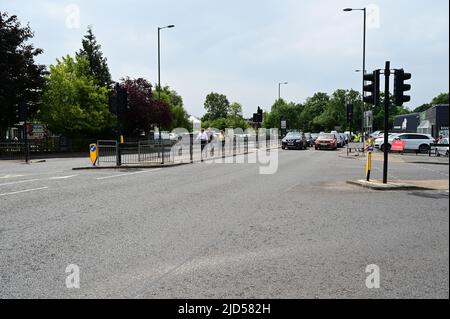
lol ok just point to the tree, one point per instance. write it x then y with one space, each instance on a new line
21 79
236 110
74 104
175 102
98 66
281 110
217 106
442 98
144 111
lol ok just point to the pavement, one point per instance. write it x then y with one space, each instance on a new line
222 230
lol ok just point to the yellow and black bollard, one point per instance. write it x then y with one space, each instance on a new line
368 165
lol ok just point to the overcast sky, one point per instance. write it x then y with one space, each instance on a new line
243 49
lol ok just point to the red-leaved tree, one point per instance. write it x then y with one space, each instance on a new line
143 113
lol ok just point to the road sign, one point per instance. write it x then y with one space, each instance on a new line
283 125
94 153
398 145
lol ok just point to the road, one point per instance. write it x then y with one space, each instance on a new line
221 231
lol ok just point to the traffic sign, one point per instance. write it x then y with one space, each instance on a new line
93 153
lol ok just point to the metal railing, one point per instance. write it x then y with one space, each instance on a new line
148 152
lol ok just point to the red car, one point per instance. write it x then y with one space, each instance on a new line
326 142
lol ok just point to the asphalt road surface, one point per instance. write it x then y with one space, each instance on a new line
221 231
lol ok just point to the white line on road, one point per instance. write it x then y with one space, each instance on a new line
62 177
19 182
128 174
10 176
24 191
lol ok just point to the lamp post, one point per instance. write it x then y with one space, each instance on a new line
364 10
159 77
279 89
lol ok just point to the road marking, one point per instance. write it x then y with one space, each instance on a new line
11 176
19 182
127 174
24 191
62 177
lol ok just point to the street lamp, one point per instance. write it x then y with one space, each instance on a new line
159 57
159 76
364 55
279 89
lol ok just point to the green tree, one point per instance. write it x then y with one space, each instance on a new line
281 110
442 98
217 106
21 79
175 103
313 108
74 104
98 66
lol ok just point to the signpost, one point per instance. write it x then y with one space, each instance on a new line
94 153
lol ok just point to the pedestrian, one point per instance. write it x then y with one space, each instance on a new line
203 137
222 141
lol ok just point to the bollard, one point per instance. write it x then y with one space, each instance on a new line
368 165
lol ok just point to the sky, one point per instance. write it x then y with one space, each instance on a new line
243 49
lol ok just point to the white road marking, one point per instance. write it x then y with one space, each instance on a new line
11 176
62 177
127 174
20 182
24 191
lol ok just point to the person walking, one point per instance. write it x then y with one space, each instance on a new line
222 142
203 137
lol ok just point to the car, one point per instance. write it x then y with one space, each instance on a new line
340 139
344 137
442 150
376 134
309 139
327 141
294 140
315 136
419 143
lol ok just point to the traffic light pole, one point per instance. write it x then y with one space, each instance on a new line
387 74
27 147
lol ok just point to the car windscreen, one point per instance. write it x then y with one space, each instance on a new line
293 135
326 136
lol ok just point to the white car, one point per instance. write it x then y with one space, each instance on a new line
442 151
414 142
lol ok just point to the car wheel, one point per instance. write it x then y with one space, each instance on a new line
424 149
283 148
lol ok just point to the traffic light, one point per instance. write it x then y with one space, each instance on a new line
260 115
118 100
349 113
373 88
400 87
21 112
122 97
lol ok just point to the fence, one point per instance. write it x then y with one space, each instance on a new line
147 152
16 150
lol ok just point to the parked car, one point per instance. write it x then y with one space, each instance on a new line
327 141
414 142
295 140
340 139
442 150
376 134
315 136
309 139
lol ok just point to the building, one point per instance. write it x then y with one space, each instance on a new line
406 123
433 121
